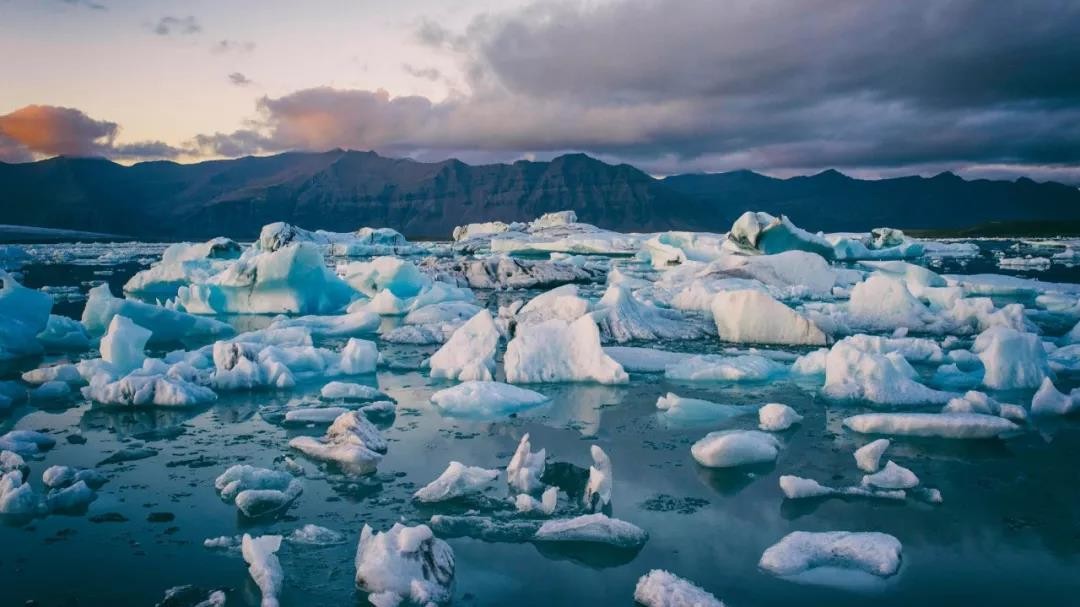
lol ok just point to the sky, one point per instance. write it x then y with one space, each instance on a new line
874 89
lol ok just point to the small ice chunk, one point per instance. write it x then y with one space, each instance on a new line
458 480
26 442
795 487
707 367
359 357
751 316
658 588
868 457
1048 401
409 562
263 565
258 491
731 448
336 390
525 468
313 415
485 399
683 410
124 343
51 391
598 489
775 417
16 496
801 555
547 503
561 303
593 528
939 425
314 535
892 476
351 441
470 352
70 498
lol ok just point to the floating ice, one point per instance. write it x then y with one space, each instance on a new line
351 441
749 316
598 488
313 415
561 303
16 496
707 367
361 322
339 390
622 318
762 233
884 303
258 491
852 372
485 399
594 528
182 263
164 325
832 557
263 565
658 588
470 352
869 455
500 271
400 277
732 448
457 481
892 476
681 410
1048 401
775 417
554 351
24 313
63 334
525 468
939 425
644 360
314 535
124 343
404 563
546 505
1013 360
793 273
26 442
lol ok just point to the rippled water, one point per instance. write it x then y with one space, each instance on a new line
1008 532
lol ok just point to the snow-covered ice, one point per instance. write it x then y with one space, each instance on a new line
486 399
593 528
659 588
830 558
939 425
777 417
554 351
750 316
404 563
730 448
457 481
264 566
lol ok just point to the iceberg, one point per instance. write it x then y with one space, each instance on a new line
525 468
659 588
24 313
730 448
340 390
263 565
891 477
1012 359
595 529
470 352
351 441
26 442
869 455
1048 401
825 557
404 563
561 303
622 318
361 322
765 234
749 316
937 425
485 399
680 410
258 491
457 481
182 263
164 324
17 497
554 351
400 277
854 371
598 488
775 417
882 302
124 344
708 367
63 334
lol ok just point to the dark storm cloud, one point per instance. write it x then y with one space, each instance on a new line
693 84
169 26
239 79
44 130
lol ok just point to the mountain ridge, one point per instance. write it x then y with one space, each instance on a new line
342 190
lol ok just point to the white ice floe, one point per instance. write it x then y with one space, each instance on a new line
26 442
17 496
833 558
598 488
485 399
882 302
182 263
63 334
730 448
457 481
340 390
681 410
561 303
1048 401
398 276
594 528
672 248
313 415
854 373
526 467
351 441
709 367
155 383
258 491
314 535
750 316
658 588
1012 359
470 352
791 273
776 417
554 351
404 563
264 566
644 360
892 476
763 233
123 346
978 402
360 322
939 425
621 318
164 324
868 457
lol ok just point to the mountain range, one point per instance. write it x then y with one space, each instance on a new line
342 190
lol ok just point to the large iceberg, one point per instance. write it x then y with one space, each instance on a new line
554 351
23 314
750 316
470 352
1013 360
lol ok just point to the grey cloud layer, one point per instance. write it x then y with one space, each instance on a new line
677 84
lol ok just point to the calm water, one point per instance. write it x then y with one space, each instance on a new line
1008 532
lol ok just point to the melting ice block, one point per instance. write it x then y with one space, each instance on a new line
24 313
593 528
658 588
165 325
404 563
749 316
621 318
525 468
775 417
458 480
1048 401
123 345
869 455
554 351
731 448
939 425
258 491
853 371
485 399
1012 359
598 488
351 441
834 557
681 410
263 565
470 352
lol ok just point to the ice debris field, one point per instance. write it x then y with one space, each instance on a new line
541 413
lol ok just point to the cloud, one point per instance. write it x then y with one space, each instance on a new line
675 85
232 46
38 131
239 79
169 26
